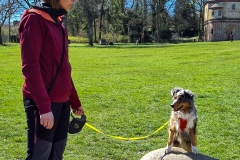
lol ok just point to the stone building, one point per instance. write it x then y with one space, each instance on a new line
221 18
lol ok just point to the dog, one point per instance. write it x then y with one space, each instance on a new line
183 121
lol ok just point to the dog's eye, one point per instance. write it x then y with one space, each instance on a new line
174 96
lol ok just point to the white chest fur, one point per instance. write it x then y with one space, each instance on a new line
189 117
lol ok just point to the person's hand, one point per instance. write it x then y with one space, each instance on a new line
79 111
47 120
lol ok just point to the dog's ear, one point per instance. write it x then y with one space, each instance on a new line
175 90
189 95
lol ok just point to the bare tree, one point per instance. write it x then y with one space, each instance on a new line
25 4
199 5
7 8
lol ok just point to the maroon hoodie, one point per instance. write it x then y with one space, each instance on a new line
41 42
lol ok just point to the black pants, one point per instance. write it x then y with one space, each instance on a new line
46 144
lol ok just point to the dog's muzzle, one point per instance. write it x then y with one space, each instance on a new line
176 109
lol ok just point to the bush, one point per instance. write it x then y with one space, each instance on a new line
78 39
123 39
108 37
116 38
4 34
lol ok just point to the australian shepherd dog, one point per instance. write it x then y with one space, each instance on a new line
183 121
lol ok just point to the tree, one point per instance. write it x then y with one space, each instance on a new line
76 20
135 24
90 10
116 18
199 5
7 8
102 13
185 18
137 19
160 19
25 4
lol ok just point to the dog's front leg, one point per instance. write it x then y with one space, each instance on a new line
171 134
193 138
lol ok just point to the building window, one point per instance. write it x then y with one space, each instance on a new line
212 13
211 31
219 31
233 6
219 13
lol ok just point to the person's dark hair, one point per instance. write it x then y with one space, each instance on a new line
52 3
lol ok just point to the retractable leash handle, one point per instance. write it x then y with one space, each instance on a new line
76 124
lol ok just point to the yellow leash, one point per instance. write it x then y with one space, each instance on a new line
123 138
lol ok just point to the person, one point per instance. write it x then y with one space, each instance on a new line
231 37
44 50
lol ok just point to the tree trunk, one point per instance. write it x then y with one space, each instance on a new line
158 21
100 25
153 18
95 30
1 42
144 20
90 43
90 34
202 24
136 6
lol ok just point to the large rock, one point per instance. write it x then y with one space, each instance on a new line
176 154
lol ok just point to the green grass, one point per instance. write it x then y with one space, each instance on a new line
125 91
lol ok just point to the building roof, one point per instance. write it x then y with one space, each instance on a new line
216 6
210 1
215 1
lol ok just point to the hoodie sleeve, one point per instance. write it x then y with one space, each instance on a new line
74 99
31 31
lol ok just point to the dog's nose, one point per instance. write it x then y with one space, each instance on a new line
172 105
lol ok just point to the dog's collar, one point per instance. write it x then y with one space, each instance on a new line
183 124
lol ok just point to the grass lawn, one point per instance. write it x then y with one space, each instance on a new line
125 91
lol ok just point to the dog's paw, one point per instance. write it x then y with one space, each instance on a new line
194 150
168 149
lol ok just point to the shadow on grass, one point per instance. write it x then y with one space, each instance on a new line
145 45
127 46
3 45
